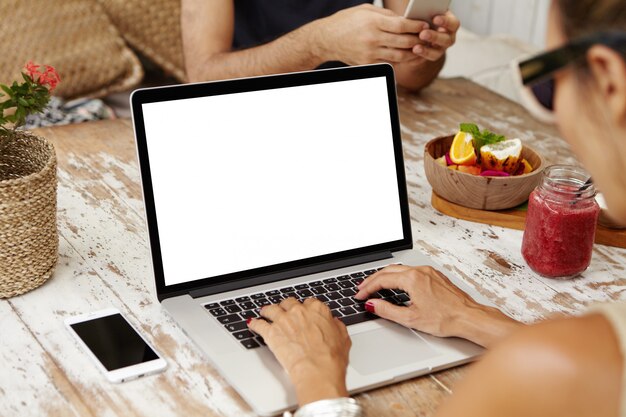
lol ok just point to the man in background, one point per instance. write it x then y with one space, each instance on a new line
241 38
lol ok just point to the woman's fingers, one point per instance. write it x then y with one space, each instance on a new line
272 312
288 303
315 305
390 268
400 315
382 280
393 268
260 327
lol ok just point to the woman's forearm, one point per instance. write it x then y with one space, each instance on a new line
483 325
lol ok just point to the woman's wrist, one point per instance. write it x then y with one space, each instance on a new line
320 390
312 385
483 325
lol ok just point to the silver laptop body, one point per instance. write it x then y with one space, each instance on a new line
255 187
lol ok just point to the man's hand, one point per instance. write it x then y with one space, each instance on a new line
310 344
434 42
366 34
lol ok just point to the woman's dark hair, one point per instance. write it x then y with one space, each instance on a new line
580 18
584 17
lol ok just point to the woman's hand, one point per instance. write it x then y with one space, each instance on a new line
437 306
310 344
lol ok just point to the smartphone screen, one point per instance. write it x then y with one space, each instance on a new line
114 342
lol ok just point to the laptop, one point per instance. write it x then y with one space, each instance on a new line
291 185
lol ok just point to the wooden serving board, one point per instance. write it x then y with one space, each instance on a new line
516 219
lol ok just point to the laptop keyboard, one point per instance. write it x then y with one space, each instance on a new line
337 293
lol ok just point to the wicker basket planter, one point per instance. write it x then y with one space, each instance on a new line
29 239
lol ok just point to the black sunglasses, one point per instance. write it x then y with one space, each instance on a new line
537 73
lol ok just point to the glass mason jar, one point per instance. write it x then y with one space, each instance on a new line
561 223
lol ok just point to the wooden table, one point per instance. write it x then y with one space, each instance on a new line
104 261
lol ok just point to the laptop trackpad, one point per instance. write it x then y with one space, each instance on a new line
386 348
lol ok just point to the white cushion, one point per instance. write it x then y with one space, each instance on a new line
486 60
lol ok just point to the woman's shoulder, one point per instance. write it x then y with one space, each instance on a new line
574 363
560 367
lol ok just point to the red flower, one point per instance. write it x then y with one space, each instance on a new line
32 70
49 77
30 96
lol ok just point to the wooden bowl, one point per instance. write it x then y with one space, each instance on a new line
473 191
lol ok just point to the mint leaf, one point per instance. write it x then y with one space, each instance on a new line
470 128
480 138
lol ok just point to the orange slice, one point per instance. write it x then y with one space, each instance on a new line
462 149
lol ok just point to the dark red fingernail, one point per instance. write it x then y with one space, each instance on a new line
249 320
358 284
369 306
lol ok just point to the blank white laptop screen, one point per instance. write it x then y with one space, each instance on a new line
252 179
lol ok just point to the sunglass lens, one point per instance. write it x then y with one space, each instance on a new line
544 93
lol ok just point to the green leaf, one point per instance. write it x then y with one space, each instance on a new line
6 90
20 115
486 138
22 101
470 128
8 103
480 139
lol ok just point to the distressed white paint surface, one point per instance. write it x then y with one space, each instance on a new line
489 258
104 261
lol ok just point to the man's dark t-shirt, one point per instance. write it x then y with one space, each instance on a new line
261 21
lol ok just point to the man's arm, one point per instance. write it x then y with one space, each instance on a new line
358 35
430 54
208 28
565 367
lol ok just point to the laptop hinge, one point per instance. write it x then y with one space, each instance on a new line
292 273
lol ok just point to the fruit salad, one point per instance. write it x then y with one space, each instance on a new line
485 153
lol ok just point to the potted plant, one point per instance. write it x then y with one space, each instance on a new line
28 182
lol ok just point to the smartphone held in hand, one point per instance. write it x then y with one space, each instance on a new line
426 9
117 349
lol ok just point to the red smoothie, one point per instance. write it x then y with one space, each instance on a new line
560 230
